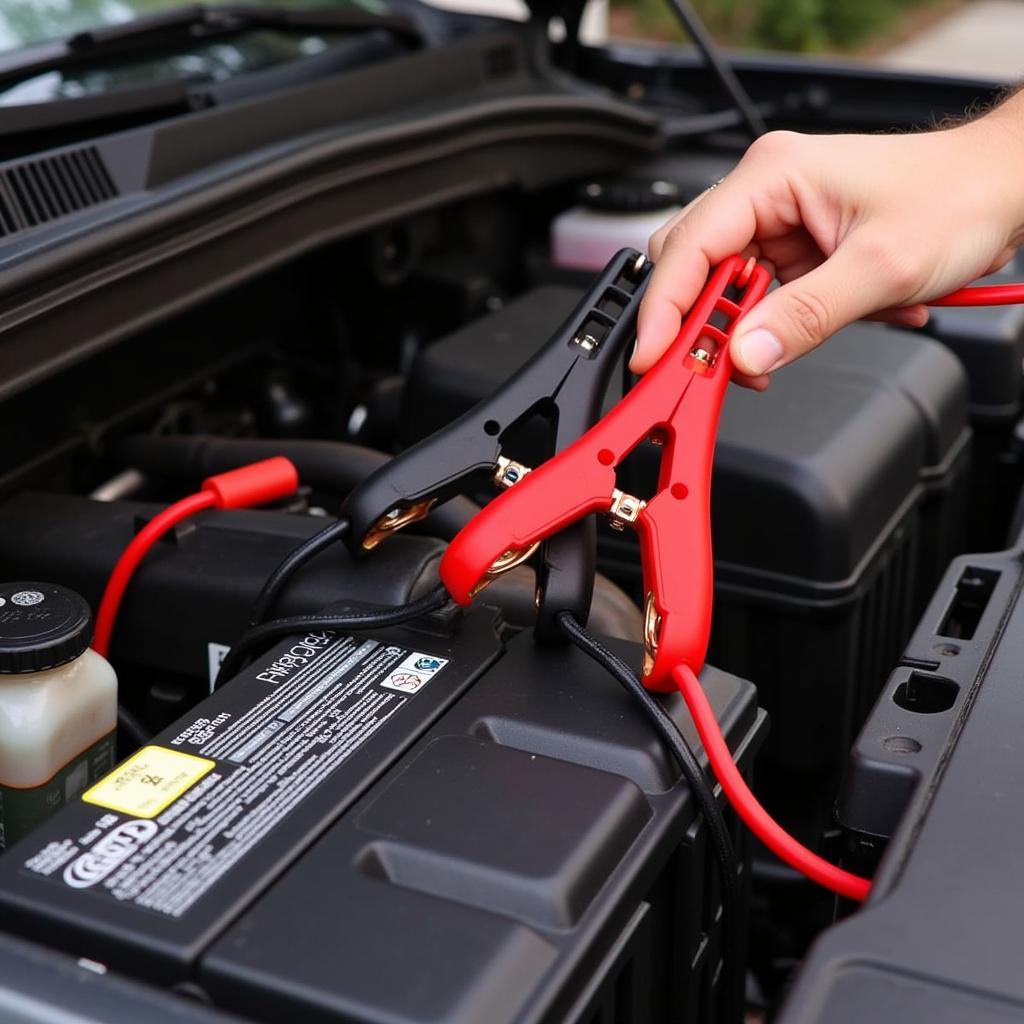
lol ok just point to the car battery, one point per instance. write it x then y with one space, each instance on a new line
409 826
838 497
930 808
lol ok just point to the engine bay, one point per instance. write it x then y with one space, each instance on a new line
516 845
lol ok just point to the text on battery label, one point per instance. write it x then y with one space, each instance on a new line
108 854
297 656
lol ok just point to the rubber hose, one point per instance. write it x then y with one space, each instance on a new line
331 466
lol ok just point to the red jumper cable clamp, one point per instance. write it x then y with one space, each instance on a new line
676 405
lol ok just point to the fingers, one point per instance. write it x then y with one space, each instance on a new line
753 383
722 222
1004 257
902 316
797 317
657 240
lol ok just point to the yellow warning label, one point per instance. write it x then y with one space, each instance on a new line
148 782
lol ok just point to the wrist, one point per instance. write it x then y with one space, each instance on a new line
997 139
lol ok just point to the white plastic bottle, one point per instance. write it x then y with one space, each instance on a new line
612 215
58 705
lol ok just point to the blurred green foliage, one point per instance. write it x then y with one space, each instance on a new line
803 25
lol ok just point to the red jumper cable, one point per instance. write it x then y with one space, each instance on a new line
983 295
255 484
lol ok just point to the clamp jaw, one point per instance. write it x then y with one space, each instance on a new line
675 405
564 384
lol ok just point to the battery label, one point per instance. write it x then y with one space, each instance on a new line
148 781
178 816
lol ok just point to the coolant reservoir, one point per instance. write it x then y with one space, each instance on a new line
58 705
612 214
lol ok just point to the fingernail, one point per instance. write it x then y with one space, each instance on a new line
632 356
759 350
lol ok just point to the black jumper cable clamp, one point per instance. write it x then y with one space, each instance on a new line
563 384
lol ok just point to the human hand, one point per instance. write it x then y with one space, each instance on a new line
853 226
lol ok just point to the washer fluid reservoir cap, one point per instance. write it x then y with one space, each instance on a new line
42 626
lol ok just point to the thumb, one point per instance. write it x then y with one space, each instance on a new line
797 317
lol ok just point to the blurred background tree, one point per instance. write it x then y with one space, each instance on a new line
803 25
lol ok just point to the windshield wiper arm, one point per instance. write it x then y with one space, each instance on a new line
189 24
